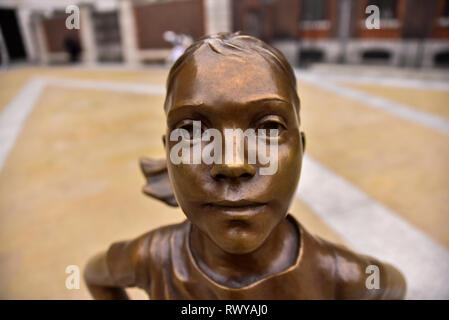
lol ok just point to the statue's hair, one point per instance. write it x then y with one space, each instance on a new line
226 43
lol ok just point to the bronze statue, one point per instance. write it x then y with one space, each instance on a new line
238 241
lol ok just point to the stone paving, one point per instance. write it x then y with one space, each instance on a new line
70 182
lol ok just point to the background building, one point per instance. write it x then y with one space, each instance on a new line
413 33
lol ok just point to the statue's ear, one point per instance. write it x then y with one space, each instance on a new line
158 185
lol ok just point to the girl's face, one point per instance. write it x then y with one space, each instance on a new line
232 203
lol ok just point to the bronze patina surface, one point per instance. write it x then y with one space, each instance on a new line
238 241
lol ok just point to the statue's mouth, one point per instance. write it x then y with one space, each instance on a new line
238 209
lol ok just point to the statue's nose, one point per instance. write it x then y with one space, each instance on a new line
232 171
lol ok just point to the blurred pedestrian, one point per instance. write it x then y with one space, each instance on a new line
180 43
72 47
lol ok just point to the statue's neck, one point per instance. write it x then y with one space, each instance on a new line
277 253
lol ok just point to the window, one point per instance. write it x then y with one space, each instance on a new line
445 10
388 9
376 56
388 12
443 20
308 56
441 59
314 10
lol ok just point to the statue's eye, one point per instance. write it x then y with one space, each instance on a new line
189 130
271 128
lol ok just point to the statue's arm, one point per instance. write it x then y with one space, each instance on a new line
393 283
99 281
123 265
355 276
108 273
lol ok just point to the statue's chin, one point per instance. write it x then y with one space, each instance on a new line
239 243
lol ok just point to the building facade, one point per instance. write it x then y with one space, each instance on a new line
412 33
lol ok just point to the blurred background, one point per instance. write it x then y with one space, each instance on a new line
80 106
412 33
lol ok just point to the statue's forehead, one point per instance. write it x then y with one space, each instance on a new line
207 77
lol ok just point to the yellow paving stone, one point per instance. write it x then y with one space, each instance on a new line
154 75
11 81
433 101
71 186
10 84
401 164
313 224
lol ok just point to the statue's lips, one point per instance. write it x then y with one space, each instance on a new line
237 209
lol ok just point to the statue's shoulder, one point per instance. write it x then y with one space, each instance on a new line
130 261
348 274
360 276
160 241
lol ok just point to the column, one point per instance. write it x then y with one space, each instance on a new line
87 35
218 16
24 20
41 39
128 32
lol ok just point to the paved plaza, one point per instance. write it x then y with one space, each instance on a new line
375 176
